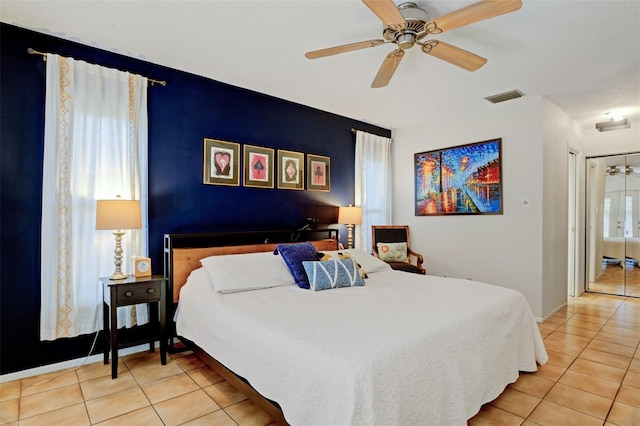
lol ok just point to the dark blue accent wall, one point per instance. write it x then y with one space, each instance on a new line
189 109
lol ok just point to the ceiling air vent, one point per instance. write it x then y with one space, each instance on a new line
506 96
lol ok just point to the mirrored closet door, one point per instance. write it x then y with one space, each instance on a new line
613 224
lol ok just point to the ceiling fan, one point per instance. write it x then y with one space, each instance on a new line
407 25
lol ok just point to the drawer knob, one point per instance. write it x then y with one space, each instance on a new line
150 290
128 294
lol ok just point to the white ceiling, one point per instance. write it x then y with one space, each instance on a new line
583 55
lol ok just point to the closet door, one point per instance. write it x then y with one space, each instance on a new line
613 232
631 224
613 255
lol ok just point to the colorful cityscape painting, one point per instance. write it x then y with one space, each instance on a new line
464 180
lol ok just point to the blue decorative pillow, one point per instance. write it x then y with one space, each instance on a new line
294 255
324 275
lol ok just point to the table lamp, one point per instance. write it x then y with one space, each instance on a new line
118 214
350 216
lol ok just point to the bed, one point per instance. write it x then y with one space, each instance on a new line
400 349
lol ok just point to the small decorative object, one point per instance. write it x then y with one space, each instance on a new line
118 214
462 180
258 166
290 169
221 163
141 266
318 173
350 216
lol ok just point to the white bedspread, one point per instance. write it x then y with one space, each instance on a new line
405 349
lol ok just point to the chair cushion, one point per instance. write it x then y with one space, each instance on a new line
406 267
392 252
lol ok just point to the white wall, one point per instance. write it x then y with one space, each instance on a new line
559 134
524 248
500 249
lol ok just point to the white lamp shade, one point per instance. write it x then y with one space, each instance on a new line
350 215
118 214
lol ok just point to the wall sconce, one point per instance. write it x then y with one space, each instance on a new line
350 216
118 214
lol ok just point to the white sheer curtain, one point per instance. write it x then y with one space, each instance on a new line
95 147
373 185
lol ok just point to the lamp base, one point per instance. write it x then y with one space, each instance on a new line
349 236
118 276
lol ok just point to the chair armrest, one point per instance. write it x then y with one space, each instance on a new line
419 259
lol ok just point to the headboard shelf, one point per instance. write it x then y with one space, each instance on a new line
245 237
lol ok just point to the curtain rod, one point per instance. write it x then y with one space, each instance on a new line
31 51
356 130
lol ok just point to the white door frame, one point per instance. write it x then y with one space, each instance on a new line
573 286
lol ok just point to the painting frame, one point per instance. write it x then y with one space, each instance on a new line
258 167
460 180
221 163
291 168
318 173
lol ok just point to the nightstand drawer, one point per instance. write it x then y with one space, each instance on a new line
138 293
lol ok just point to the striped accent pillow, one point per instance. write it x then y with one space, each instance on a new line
328 274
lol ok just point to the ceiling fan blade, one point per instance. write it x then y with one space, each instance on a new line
342 49
387 68
474 13
453 55
387 12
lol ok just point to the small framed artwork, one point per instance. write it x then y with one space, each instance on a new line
462 180
318 173
290 169
258 166
221 163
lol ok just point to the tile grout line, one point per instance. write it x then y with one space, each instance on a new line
201 388
574 360
124 361
613 401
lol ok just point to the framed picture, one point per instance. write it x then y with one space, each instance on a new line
290 169
258 166
462 180
221 163
318 173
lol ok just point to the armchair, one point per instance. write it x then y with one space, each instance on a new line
396 234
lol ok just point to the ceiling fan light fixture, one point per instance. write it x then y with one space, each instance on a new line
406 40
612 124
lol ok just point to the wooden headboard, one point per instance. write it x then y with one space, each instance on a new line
182 252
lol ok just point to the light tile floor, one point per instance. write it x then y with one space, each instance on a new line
592 378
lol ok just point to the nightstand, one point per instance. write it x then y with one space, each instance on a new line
131 291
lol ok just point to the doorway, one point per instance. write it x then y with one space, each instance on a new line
613 224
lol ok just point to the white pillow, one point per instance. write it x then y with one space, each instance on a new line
367 262
251 271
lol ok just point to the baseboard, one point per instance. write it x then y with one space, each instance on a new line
549 315
50 368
